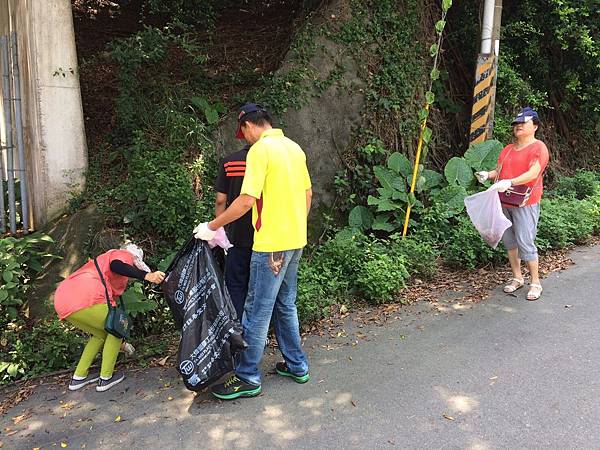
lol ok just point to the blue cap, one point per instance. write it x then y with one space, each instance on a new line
246 109
525 115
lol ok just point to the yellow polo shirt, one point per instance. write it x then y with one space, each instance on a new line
277 176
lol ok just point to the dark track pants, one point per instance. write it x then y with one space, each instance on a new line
237 275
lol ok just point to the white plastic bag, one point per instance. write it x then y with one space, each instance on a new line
485 211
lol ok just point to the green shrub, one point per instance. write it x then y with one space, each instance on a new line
26 351
153 176
466 250
592 209
20 261
380 274
351 264
47 346
200 13
157 196
564 222
433 225
318 287
344 249
420 255
582 185
326 276
364 265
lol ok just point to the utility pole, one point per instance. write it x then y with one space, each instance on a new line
484 92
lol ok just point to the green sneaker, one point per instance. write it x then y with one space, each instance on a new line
282 369
234 388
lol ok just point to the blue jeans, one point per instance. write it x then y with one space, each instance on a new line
270 294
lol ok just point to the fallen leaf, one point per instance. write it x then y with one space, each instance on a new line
446 416
163 361
18 419
69 405
343 309
118 419
64 444
169 398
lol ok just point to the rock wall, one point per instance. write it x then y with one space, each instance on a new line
322 127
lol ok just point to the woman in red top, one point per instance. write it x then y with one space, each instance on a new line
81 300
522 163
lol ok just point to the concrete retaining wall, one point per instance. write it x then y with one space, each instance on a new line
52 114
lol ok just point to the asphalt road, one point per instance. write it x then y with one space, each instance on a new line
501 374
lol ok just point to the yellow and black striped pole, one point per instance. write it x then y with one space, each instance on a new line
482 114
484 93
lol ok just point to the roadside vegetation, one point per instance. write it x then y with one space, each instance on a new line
163 91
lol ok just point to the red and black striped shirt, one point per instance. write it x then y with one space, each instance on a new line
229 181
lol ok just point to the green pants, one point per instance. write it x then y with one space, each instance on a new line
91 320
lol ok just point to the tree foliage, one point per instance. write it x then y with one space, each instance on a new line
554 46
550 60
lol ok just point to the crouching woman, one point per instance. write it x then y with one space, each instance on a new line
81 300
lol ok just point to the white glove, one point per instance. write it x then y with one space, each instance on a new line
501 185
203 232
482 176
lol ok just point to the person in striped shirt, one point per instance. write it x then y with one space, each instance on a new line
240 232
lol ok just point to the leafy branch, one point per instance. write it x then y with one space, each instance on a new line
426 132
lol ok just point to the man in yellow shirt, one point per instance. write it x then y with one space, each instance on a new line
278 189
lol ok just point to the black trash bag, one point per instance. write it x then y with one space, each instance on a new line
210 332
219 257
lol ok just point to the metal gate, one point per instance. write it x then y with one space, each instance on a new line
14 198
